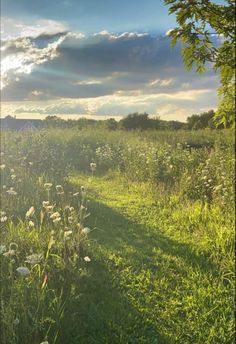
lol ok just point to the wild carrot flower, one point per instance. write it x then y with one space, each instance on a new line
57 220
23 271
33 259
48 186
11 192
55 215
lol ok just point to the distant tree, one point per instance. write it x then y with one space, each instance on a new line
136 121
202 121
111 124
199 22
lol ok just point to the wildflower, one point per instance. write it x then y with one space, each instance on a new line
2 249
86 230
218 187
33 259
4 187
3 219
13 176
49 208
2 213
48 186
59 188
30 212
16 321
71 209
9 253
11 192
2 166
23 271
93 166
45 204
31 163
57 220
87 259
83 189
70 219
55 215
31 224
67 234
12 170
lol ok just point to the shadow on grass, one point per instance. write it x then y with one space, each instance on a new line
100 309
140 243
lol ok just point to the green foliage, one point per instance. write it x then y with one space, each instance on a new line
200 25
162 257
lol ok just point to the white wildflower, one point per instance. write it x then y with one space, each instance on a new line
34 259
23 271
30 212
48 186
59 188
9 253
87 259
93 166
45 204
57 220
86 230
55 215
2 166
2 213
13 176
67 234
31 224
11 192
2 249
3 219
16 321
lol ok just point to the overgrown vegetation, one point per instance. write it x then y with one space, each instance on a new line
154 261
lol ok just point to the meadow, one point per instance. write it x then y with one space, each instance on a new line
117 237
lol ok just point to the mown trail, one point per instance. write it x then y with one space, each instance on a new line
151 278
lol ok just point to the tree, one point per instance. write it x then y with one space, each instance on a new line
207 31
136 121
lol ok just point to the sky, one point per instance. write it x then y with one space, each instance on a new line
96 58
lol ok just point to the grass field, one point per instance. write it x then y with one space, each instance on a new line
138 250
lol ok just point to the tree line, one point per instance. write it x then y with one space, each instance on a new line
138 121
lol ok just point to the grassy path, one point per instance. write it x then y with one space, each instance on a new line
151 278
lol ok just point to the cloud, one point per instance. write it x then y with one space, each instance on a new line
103 73
13 29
